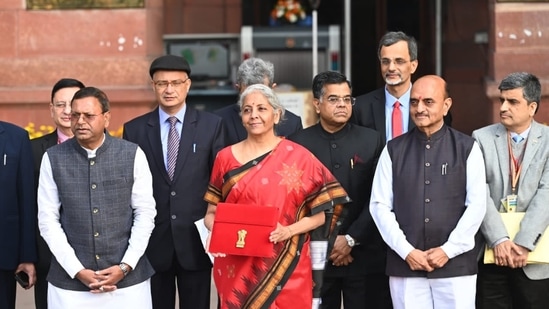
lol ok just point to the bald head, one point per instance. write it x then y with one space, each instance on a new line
429 103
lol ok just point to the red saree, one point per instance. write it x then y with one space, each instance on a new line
293 179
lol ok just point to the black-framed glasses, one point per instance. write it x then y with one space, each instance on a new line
334 100
87 117
163 84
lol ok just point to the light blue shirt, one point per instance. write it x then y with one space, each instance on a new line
165 129
524 134
404 108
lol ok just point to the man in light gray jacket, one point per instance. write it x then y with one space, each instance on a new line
516 152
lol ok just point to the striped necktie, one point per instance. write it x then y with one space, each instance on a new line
173 146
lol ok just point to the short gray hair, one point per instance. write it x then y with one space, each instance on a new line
268 93
393 37
255 71
531 87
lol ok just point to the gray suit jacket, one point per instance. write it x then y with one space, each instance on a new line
533 188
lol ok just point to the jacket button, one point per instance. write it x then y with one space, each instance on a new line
427 220
172 193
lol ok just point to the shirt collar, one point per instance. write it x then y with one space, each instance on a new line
61 137
404 99
180 115
523 134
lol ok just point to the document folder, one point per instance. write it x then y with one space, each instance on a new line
243 229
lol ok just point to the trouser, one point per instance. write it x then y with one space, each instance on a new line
441 293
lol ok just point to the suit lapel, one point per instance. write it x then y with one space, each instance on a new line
238 126
378 111
153 135
532 147
49 141
2 140
502 150
187 142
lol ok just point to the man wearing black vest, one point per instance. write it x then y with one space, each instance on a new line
430 215
60 110
96 213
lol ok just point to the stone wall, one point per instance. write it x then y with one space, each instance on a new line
108 49
519 41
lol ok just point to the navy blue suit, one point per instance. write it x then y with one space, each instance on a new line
235 131
17 207
175 248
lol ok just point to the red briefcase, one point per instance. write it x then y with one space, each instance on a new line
241 229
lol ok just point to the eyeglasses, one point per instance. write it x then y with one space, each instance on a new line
61 105
398 61
348 100
163 84
87 117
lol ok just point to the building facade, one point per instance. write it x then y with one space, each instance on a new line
482 41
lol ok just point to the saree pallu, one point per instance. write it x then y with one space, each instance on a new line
291 178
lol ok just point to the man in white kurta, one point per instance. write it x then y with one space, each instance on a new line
96 212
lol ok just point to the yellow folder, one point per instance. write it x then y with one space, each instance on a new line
512 223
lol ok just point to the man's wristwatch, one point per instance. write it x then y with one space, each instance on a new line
350 240
125 268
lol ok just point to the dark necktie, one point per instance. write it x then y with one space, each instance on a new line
173 146
396 120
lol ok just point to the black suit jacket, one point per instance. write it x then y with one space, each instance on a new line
179 203
335 150
235 131
17 199
369 111
39 147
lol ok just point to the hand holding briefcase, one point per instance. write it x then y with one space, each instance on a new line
243 229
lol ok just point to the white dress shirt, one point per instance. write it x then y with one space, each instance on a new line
461 239
144 211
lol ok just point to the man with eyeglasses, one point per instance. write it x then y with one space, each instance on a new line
355 268
181 144
96 213
386 109
60 111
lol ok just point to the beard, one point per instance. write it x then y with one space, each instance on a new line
392 82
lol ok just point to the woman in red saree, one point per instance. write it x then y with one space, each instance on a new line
267 170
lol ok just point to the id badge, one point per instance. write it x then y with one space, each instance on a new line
511 203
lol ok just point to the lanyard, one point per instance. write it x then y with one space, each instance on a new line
515 164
